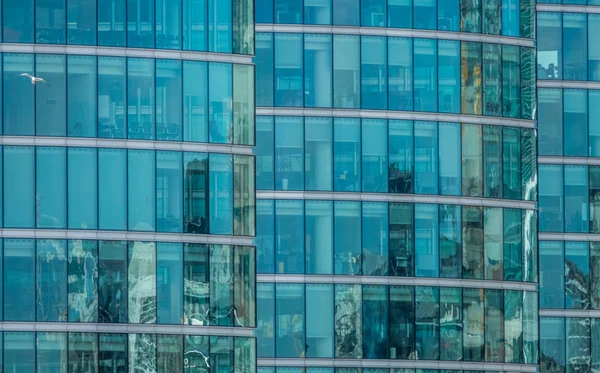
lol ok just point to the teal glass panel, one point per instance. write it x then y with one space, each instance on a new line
289 153
319 320
82 187
221 190
427 327
169 100
575 122
83 352
513 245
219 26
450 158
552 344
511 81
494 325
81 22
18 21
142 352
19 352
169 188
402 322
347 145
318 69
401 145
221 353
112 22
513 326
19 280
194 25
51 187
425 60
169 353
347 242
141 190
528 83
400 13
265 236
112 351
265 309
373 50
346 71
140 23
551 198
19 194
375 239
348 321
426 158
574 57
319 237
316 12
492 79
492 14
450 241
472 242
594 119
401 228
470 15
169 283
112 283
448 76
290 316
244 110
141 279
473 322
112 97
318 154
449 15
168 24
493 246
51 280
531 331
471 77
81 95
264 60
195 101
289 236
400 73
244 289
375 321
511 17
593 47
82 272
196 293
550 45
576 199
51 351
50 19
221 292
425 16
511 163
220 118
112 191
196 351
265 153
51 98
19 106
346 12
577 265
529 168
451 324
594 274
426 240
140 97
374 155
195 190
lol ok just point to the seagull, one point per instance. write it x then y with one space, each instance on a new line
35 79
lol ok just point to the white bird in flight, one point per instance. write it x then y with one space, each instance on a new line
35 79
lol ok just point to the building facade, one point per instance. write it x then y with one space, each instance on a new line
569 123
128 197
396 186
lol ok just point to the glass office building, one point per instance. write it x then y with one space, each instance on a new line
128 188
396 184
568 73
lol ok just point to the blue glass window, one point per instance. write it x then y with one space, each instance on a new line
450 158
50 21
264 61
112 23
82 188
346 150
18 21
510 17
425 16
219 26
81 22
553 342
449 76
112 99
141 201
195 98
221 293
426 240
375 322
472 241
317 12
347 228
593 47
511 167
550 45
400 172
426 158
169 100
493 161
575 57
346 71
552 273
494 325
140 23
402 322
288 11
265 236
319 237
594 122
140 98
551 198
112 193
400 13
19 277
194 25
51 187
471 78
425 62
289 237
264 11
196 272
141 279
427 325
289 153
290 316
19 194
374 72
318 156
576 199
18 109
319 320
348 319
375 238
400 74
265 307
220 119
168 24
448 15
196 178
373 13
51 280
575 122
550 121
317 70
288 70
346 12
19 352
50 99
577 263
470 15
450 241
374 155
451 325
82 267
50 351
169 200
265 148
81 98
221 189
112 351
492 80
513 245
511 81
492 14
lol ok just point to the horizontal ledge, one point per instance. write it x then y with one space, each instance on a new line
398 32
402 115
65 234
569 313
389 280
126 52
124 143
567 8
581 237
125 328
567 84
380 363
584 161
389 197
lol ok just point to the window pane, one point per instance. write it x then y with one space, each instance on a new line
82 273
18 23
196 351
265 236
51 349
348 253
494 243
426 156
317 70
492 85
319 237
19 277
195 284
168 191
594 121
550 121
82 90
425 14
289 153
83 352
168 24
513 326
374 70
470 15
19 352
220 102
51 280
511 80
348 321
400 13
112 105
400 169
448 15
244 282
401 240
451 324
50 21
195 96
140 97
244 108
577 263
402 320
594 274
375 322
373 13
221 354
244 196
142 352
492 161
317 12
289 70
427 324
289 226
19 194
346 12
576 199
528 83
194 25
575 122
81 22
290 320
111 22
219 26
18 109
594 185
113 351
549 45
221 189
551 198
265 310
82 188
575 58
578 340
400 72
425 78
169 353
112 195
553 343
473 332
374 155
426 240
511 168
472 246
169 283
347 164
319 320
510 18
51 187
593 47
264 61
375 239
243 27
318 133
141 189
529 164
142 282
530 328
195 181
112 286
346 70
449 76
494 325
513 245
471 76
50 98
472 180
168 99
450 241
492 13
221 291
140 23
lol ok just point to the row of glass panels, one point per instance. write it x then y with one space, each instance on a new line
392 73
570 275
128 282
397 322
568 46
29 352
570 2
569 198
506 17
225 26
569 122
569 344
120 189
396 239
134 98
263 369
395 156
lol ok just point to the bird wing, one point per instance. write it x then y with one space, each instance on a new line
42 80
27 75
